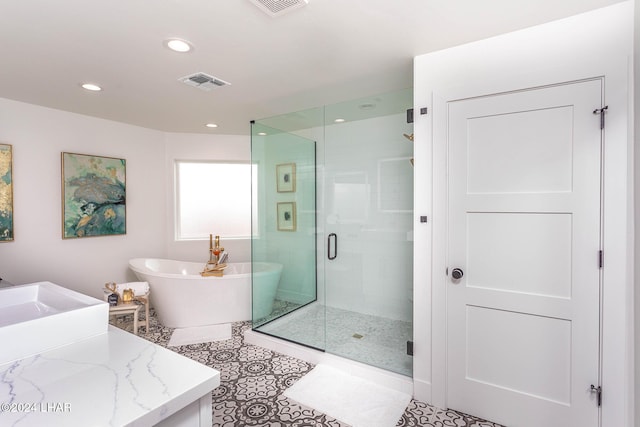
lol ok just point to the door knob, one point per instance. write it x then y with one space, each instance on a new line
457 273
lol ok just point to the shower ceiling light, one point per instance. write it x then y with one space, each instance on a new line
91 87
339 120
211 125
178 45
262 133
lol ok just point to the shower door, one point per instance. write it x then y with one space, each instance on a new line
366 215
284 230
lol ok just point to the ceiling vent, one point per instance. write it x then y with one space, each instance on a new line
203 81
278 7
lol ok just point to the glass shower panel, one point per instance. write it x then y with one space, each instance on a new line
346 286
284 234
368 229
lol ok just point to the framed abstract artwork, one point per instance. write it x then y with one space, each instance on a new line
287 216
6 193
286 177
93 196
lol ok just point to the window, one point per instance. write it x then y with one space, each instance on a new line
213 198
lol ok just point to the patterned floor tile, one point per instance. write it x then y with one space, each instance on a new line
252 380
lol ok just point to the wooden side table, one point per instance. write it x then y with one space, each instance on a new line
132 308
124 309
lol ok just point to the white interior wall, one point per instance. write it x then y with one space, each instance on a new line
38 136
38 253
598 43
202 147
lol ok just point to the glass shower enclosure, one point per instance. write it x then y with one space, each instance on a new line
333 205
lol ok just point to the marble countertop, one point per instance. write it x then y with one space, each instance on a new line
114 379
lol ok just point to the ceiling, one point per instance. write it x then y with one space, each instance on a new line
323 53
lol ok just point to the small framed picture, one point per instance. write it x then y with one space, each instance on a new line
287 216
286 177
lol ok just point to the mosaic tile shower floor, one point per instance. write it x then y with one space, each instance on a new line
369 339
252 380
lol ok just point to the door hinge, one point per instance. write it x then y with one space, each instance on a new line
598 391
423 111
600 259
409 348
601 111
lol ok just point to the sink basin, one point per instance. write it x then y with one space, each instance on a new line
41 316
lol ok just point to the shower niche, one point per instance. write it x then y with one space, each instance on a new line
334 205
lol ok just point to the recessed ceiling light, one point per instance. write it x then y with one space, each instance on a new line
262 133
211 125
92 87
339 120
178 45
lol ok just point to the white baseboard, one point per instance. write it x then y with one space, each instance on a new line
422 390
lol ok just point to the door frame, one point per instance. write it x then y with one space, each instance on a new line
592 86
593 44
614 328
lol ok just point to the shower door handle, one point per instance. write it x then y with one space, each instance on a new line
335 246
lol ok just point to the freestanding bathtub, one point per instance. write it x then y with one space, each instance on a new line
182 298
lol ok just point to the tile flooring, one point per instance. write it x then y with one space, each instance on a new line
369 339
253 378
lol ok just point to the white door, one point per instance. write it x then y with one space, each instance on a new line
524 230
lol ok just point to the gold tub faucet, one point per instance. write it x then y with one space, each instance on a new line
213 267
216 250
